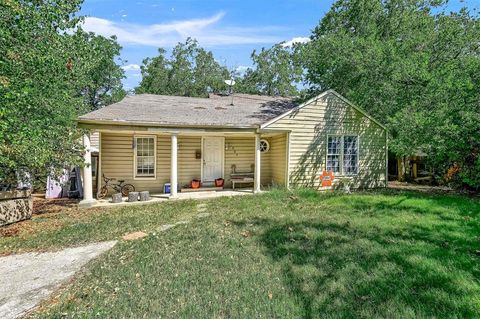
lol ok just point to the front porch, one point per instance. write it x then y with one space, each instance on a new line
157 198
151 158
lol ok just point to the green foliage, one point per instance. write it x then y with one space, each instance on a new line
191 71
415 70
48 76
100 81
276 72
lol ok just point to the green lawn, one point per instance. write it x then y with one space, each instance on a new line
298 254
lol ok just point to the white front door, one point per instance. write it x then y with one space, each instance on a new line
213 148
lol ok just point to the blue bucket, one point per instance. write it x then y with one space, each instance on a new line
166 188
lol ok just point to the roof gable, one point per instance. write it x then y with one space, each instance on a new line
318 97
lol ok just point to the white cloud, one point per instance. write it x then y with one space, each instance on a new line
131 67
206 30
288 44
242 69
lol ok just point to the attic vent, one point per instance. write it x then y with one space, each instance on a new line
199 107
220 108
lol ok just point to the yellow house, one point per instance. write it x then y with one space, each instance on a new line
150 140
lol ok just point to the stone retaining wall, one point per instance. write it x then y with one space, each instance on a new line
15 206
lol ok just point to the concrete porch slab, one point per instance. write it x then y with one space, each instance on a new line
201 189
156 198
213 194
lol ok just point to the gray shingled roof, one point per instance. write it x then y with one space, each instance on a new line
247 111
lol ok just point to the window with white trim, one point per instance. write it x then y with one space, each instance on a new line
144 156
264 146
342 154
350 155
334 152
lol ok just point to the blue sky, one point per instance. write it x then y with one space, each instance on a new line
231 29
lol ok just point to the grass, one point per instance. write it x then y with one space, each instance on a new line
298 254
73 227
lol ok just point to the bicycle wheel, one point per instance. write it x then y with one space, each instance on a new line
127 188
102 193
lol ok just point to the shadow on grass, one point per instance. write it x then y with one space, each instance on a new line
345 267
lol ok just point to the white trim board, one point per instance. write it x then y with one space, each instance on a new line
99 164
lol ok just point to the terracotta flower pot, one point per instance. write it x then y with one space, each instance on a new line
219 182
195 183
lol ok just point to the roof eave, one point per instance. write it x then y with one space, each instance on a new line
156 124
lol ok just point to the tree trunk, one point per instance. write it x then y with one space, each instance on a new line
401 169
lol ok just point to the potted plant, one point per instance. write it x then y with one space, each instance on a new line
195 183
219 182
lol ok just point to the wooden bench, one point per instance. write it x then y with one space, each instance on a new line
241 178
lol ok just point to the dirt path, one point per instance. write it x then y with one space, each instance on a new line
27 279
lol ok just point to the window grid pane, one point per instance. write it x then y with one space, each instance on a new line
350 155
333 153
145 156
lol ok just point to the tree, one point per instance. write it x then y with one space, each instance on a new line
413 69
155 75
101 83
191 71
44 70
208 75
276 72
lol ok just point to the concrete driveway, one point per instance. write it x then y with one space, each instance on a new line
27 279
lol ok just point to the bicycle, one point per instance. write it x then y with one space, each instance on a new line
119 187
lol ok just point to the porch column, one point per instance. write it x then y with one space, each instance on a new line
88 199
173 167
256 180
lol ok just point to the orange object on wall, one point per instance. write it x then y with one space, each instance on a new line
327 178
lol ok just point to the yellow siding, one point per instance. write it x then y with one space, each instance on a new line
94 140
278 149
240 151
117 159
266 167
309 128
188 166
